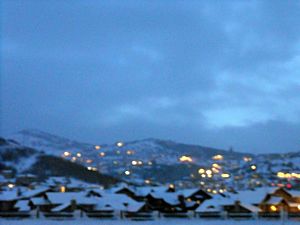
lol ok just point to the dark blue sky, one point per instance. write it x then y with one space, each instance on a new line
216 73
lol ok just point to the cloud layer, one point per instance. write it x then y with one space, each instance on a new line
204 72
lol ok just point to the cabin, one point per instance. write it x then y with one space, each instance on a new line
8 199
241 210
165 202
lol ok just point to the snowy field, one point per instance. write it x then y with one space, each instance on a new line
155 222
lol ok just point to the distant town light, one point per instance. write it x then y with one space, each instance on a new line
97 147
66 154
73 159
147 181
10 186
208 172
89 161
185 158
218 157
247 159
215 170
201 171
127 172
102 154
216 165
120 144
129 152
172 186
225 175
78 154
298 207
134 162
253 167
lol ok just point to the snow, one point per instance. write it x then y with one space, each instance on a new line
84 221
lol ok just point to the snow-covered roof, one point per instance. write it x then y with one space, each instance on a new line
67 197
61 207
169 197
250 207
144 191
22 205
274 200
9 195
251 196
36 191
118 202
39 201
188 192
211 205
294 193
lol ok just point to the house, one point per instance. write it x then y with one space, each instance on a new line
165 202
8 199
281 200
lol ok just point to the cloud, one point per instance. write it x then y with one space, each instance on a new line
198 72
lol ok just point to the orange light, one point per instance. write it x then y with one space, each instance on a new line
185 158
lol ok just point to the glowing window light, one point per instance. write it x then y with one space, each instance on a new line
185 158
218 157
102 154
62 189
120 144
298 207
280 175
147 181
89 161
225 175
208 172
97 147
127 172
129 152
78 154
247 159
201 171
253 167
203 175
215 170
73 159
134 162
66 154
172 186
10 186
216 165
273 208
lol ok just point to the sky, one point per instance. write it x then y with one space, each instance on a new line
214 73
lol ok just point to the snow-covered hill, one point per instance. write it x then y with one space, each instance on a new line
161 161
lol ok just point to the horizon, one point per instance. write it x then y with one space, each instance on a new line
205 73
11 136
